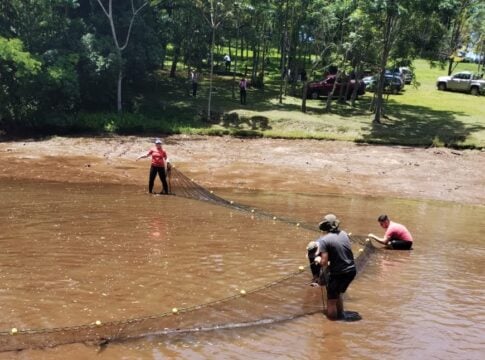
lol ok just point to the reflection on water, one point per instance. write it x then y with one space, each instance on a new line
72 254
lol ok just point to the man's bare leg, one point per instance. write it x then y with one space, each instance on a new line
332 312
340 306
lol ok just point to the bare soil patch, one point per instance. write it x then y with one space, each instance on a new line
267 164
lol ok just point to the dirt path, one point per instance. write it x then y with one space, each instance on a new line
297 166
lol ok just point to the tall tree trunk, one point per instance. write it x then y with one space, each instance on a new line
211 72
481 53
234 68
120 48
390 28
450 64
328 104
357 84
305 83
338 77
255 62
264 56
284 39
456 40
175 60
304 96
119 106
164 55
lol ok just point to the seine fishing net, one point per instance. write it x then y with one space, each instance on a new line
283 299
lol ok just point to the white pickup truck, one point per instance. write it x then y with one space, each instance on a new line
464 81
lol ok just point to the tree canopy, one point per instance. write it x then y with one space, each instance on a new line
62 57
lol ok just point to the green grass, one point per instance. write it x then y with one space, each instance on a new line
426 114
420 116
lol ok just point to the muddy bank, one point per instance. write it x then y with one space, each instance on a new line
284 165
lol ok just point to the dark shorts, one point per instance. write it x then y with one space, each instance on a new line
338 284
400 245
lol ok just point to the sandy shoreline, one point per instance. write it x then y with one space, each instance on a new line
265 164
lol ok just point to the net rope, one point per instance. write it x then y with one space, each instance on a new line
284 299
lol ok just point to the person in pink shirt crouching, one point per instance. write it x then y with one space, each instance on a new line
396 237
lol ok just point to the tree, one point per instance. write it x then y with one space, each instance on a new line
478 35
458 34
343 47
17 70
186 31
215 12
49 33
387 16
119 48
321 28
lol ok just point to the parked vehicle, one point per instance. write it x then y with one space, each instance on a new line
464 81
324 87
407 74
396 73
392 84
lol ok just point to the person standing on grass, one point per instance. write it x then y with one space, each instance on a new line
243 85
194 79
158 166
396 237
333 255
227 61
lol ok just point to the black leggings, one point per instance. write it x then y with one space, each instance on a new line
242 95
154 170
400 244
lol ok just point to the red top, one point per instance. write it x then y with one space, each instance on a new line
397 231
158 156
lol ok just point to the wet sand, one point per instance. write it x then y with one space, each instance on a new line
300 166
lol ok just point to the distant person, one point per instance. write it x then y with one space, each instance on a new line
243 86
194 79
227 61
158 166
333 265
303 75
189 81
396 237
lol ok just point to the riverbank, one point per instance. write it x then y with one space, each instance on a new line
307 166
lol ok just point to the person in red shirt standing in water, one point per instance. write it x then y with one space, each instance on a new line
396 237
159 166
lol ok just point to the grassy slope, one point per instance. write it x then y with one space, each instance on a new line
451 117
421 115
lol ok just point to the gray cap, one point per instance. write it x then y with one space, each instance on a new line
158 141
329 223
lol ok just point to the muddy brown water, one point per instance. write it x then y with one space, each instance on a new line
72 254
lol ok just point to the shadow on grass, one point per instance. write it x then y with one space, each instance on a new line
165 105
169 101
173 97
420 126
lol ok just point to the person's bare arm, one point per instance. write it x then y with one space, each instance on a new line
142 157
382 240
322 260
